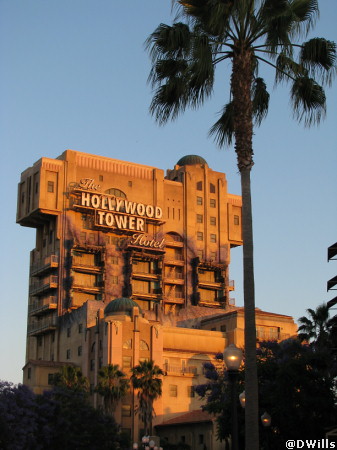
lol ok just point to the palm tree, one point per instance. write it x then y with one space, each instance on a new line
146 380
72 378
316 328
112 386
245 33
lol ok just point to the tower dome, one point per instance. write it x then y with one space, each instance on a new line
122 305
191 160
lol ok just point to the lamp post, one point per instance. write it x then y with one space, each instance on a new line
233 359
266 421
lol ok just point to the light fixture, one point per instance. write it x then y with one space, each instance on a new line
232 357
242 398
135 446
266 419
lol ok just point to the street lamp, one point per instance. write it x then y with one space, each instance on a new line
242 398
266 419
233 358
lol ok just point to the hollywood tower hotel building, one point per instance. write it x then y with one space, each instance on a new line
108 229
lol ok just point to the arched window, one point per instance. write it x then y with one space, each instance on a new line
127 344
143 345
116 192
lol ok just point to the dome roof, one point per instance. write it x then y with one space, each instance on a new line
121 305
191 160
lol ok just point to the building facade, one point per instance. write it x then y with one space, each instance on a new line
130 264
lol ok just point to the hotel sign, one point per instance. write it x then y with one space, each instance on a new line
116 212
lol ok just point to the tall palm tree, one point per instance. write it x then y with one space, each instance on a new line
245 33
316 327
112 386
71 377
146 380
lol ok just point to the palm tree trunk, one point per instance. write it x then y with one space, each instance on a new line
251 385
241 83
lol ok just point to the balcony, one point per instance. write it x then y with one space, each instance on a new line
271 335
151 275
175 260
210 284
44 265
153 294
180 371
40 287
42 326
44 306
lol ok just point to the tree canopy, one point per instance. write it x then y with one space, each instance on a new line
146 379
296 387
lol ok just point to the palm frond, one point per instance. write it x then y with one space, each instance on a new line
318 56
309 101
223 129
212 15
169 41
169 100
287 68
260 99
305 13
166 69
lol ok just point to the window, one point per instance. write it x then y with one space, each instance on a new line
79 350
213 237
212 220
51 236
115 192
68 353
92 364
201 438
143 345
199 200
190 391
100 178
50 186
127 345
173 390
212 203
199 186
213 329
212 188
114 279
50 378
68 332
236 220
213 256
200 236
130 183
29 373
127 362
223 328
114 260
126 410
200 254
83 236
80 328
39 341
200 218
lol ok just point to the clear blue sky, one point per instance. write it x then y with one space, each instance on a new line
73 75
